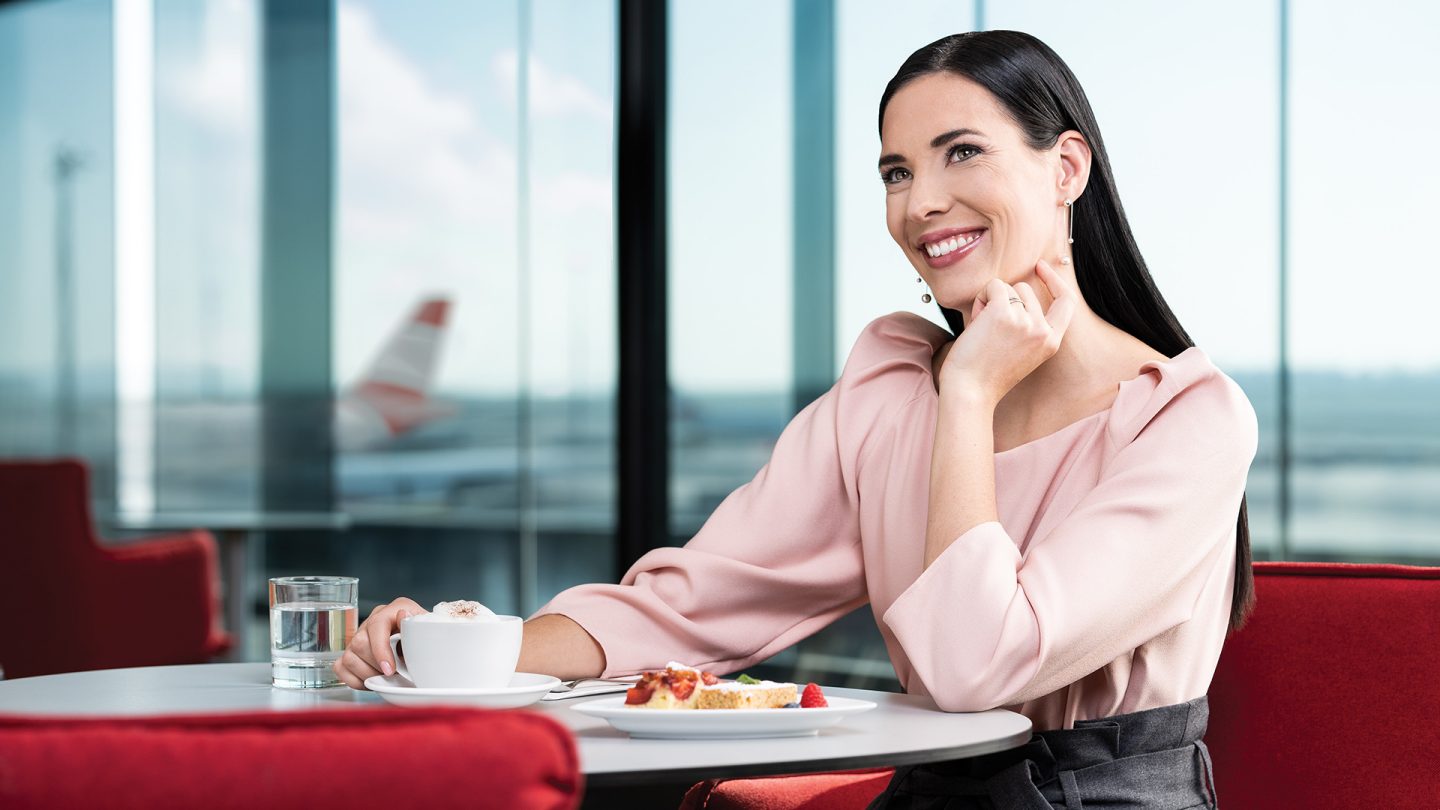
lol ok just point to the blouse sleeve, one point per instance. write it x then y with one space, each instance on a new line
984 626
780 557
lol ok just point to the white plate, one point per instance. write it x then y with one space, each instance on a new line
524 688
721 724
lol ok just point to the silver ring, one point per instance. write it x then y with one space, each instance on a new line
1017 301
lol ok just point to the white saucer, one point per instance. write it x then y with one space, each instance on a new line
524 688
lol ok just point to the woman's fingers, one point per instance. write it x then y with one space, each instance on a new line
994 293
1062 308
369 651
341 668
346 677
356 667
1027 296
380 626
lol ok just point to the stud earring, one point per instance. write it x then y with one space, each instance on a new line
1070 212
925 296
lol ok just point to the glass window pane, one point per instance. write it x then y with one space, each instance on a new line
730 176
207 264
1366 416
1193 141
452 191
874 276
57 243
571 282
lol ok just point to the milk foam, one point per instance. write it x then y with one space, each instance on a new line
459 611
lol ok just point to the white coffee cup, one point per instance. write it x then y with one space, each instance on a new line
457 655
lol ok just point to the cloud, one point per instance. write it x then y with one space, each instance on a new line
218 90
552 94
406 145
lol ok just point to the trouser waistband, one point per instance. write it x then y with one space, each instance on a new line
1154 757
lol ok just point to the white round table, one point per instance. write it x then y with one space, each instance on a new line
903 730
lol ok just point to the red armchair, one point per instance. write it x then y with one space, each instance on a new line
86 606
840 790
1329 696
356 758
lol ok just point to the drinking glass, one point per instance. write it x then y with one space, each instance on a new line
312 620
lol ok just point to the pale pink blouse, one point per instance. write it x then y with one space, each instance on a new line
1104 588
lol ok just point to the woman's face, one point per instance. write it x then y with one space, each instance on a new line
959 175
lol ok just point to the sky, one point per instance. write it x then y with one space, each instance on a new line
428 181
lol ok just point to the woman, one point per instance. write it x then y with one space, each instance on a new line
1041 511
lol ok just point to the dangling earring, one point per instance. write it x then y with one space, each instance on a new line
925 296
1070 212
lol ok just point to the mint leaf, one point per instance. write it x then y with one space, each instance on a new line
746 679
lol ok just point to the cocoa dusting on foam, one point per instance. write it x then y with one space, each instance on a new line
463 611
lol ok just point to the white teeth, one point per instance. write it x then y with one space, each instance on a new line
938 249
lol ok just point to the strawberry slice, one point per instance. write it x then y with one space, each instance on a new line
682 689
638 694
709 678
812 697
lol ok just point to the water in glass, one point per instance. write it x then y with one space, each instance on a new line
307 638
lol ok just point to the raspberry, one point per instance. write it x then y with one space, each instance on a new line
812 697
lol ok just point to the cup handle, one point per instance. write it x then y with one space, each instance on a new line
399 659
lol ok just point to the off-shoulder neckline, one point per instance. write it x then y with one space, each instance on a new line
1145 368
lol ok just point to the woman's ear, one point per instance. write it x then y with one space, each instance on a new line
1074 155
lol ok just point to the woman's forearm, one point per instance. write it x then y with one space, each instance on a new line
962 469
557 645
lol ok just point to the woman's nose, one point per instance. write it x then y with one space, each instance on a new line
928 196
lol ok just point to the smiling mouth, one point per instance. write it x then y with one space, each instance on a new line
954 243
951 242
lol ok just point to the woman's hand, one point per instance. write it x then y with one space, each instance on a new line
369 651
1004 340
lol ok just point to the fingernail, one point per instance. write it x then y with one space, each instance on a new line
385 667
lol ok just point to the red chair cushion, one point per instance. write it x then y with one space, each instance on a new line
1329 696
822 791
334 758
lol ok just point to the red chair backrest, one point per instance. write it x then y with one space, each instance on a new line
360 758
49 566
1330 695
45 516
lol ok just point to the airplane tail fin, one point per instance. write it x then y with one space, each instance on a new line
395 388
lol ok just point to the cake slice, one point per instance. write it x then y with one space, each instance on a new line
675 687
736 695
682 687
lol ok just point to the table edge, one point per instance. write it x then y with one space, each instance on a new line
806 766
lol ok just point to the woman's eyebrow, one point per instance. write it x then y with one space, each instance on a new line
935 143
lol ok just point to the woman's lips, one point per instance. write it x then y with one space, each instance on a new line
937 262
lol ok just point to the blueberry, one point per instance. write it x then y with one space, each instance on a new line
791 706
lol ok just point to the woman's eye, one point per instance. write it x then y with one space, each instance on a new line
893 176
957 152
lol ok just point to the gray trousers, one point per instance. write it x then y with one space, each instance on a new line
1148 760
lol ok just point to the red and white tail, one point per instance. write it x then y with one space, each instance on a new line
392 397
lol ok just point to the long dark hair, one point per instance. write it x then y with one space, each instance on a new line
1044 98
